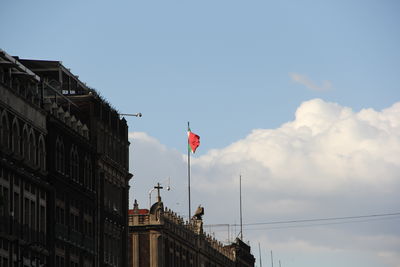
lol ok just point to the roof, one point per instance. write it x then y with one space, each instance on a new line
7 59
138 212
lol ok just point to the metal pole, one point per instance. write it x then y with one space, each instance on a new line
229 234
189 173
150 191
241 221
272 259
259 251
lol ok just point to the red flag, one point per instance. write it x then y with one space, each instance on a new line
193 141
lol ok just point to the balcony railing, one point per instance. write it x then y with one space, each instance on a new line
61 231
11 227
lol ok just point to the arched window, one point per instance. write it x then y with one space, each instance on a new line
77 175
105 145
87 173
74 164
88 180
15 137
32 148
25 142
90 176
4 131
41 153
57 154
71 164
60 156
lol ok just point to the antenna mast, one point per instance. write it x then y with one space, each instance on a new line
272 259
240 193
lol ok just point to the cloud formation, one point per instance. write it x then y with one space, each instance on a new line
307 82
329 161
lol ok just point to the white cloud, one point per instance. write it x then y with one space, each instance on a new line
326 148
307 82
391 258
329 161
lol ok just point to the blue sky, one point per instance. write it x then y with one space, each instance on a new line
230 67
223 65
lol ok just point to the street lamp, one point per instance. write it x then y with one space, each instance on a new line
133 115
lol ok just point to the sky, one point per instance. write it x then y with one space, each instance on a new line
302 98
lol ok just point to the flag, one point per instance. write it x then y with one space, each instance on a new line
193 141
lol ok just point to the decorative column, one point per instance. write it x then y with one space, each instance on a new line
135 250
155 247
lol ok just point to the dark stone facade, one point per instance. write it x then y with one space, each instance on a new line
24 187
63 170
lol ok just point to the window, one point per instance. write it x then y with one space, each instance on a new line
42 219
41 154
16 181
25 144
26 211
16 206
15 137
87 174
60 255
74 218
60 209
4 131
32 148
74 164
3 200
33 215
60 215
59 156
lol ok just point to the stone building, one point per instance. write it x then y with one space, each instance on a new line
160 238
24 188
73 147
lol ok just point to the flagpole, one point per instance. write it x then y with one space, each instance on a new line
189 173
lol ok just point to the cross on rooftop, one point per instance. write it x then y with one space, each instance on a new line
158 187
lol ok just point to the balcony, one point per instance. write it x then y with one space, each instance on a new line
11 227
61 231
88 243
76 237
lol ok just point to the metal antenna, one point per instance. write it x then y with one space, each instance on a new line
272 259
240 196
259 251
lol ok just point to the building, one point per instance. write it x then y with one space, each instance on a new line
160 238
73 179
24 187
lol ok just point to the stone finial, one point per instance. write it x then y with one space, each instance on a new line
73 122
54 108
60 113
79 127
47 104
67 118
85 131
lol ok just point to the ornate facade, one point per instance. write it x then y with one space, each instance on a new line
24 188
160 238
64 169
